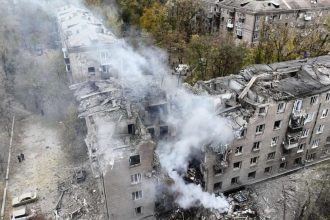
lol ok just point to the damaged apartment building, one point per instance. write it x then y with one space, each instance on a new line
279 112
244 18
122 127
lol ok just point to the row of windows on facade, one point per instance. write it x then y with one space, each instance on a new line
267 170
315 143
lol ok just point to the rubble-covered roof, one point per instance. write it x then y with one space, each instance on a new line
259 85
274 5
81 29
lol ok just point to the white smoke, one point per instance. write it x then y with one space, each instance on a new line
193 117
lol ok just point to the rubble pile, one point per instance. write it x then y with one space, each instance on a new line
79 198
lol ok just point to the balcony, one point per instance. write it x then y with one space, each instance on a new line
296 122
292 141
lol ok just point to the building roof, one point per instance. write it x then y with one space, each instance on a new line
80 29
257 6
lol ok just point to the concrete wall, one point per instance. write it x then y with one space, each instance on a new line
119 188
266 148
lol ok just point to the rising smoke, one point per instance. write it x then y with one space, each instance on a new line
192 116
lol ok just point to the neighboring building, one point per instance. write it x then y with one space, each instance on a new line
243 19
281 116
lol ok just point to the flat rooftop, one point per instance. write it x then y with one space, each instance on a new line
256 6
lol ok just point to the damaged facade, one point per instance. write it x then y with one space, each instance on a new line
244 19
279 113
280 116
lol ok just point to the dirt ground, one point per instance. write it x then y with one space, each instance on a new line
46 166
287 193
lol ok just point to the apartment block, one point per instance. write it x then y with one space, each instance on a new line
243 19
280 113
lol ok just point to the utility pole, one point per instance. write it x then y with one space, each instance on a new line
7 172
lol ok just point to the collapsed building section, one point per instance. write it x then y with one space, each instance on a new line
280 116
279 113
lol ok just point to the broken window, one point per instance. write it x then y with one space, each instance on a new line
301 147
137 195
237 165
254 160
238 150
217 170
320 129
242 133
283 165
305 133
314 99
252 175
298 161
274 141
262 111
260 129
310 117
271 156
327 97
324 113
256 146
131 129
297 105
151 132
134 160
281 107
277 124
315 143
268 169
138 210
217 186
311 157
163 131
234 180
91 70
136 178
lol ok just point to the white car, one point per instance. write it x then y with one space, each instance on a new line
20 214
24 199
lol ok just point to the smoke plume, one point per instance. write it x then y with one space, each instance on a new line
193 117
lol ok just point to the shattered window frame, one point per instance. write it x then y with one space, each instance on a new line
277 127
274 141
139 210
252 175
137 163
271 155
234 180
314 99
315 143
237 165
283 165
254 161
281 107
327 97
238 150
217 186
310 117
268 170
260 129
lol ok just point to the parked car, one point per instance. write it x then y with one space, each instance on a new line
19 214
24 199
